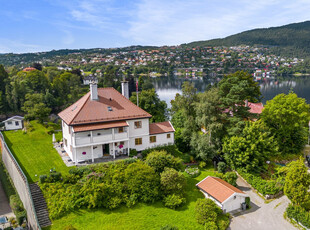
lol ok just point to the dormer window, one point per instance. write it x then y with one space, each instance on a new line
110 108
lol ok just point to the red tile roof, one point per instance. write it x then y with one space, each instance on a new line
256 107
27 69
161 127
87 111
218 188
96 126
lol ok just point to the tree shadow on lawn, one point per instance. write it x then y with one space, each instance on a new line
10 144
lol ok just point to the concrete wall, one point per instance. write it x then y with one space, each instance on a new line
21 184
233 203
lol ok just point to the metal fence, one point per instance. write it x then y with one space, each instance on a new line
21 184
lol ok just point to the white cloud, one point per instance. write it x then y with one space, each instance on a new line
17 46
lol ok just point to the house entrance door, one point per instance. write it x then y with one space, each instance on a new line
105 149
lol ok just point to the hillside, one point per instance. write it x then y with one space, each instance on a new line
289 40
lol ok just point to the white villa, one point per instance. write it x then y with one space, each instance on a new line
13 123
105 123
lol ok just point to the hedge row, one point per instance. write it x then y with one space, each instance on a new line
265 187
299 214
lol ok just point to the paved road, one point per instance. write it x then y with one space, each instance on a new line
5 208
261 216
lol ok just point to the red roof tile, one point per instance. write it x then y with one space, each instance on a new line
218 188
86 111
256 107
161 127
96 126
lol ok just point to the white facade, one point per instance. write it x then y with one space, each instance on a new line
14 123
89 145
230 204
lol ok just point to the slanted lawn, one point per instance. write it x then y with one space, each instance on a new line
141 216
34 151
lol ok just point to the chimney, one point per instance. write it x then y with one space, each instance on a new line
125 89
93 91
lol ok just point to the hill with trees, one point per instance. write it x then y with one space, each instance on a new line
287 40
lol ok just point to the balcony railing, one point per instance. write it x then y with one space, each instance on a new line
100 138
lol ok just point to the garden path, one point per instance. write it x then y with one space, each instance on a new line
261 215
5 209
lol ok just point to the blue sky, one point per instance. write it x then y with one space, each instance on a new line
42 25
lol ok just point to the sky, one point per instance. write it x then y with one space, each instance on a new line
43 25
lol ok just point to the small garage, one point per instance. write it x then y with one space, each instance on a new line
226 196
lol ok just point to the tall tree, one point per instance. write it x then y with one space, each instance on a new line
35 108
150 102
3 81
288 117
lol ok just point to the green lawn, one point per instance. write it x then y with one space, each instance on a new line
141 216
34 151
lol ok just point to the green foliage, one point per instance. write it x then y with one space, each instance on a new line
133 152
169 227
150 102
202 164
35 108
170 149
297 182
54 177
211 225
42 178
221 167
102 185
192 171
248 201
201 146
206 211
287 116
270 187
173 201
172 181
231 178
250 150
159 160
70 227
298 213
18 208
6 181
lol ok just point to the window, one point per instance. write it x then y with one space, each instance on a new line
138 141
152 139
122 143
9 122
121 129
66 143
138 124
168 135
16 123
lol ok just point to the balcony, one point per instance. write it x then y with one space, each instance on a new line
100 137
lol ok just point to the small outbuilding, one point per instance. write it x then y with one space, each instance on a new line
226 196
13 123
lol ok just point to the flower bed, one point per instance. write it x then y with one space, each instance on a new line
192 171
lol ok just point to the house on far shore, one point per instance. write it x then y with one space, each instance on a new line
90 78
226 196
13 123
106 124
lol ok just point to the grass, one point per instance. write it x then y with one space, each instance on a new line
141 216
34 151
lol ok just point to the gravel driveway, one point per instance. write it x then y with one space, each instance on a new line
261 216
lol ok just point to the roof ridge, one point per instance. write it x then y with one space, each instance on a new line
128 100
88 95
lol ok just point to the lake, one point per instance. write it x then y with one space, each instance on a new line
167 88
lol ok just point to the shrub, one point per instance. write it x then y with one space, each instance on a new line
299 214
159 160
50 130
170 149
247 201
20 217
206 210
42 178
80 171
70 179
192 171
70 227
54 177
221 167
130 160
202 164
265 187
17 208
169 227
231 178
211 225
173 201
133 152
172 182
